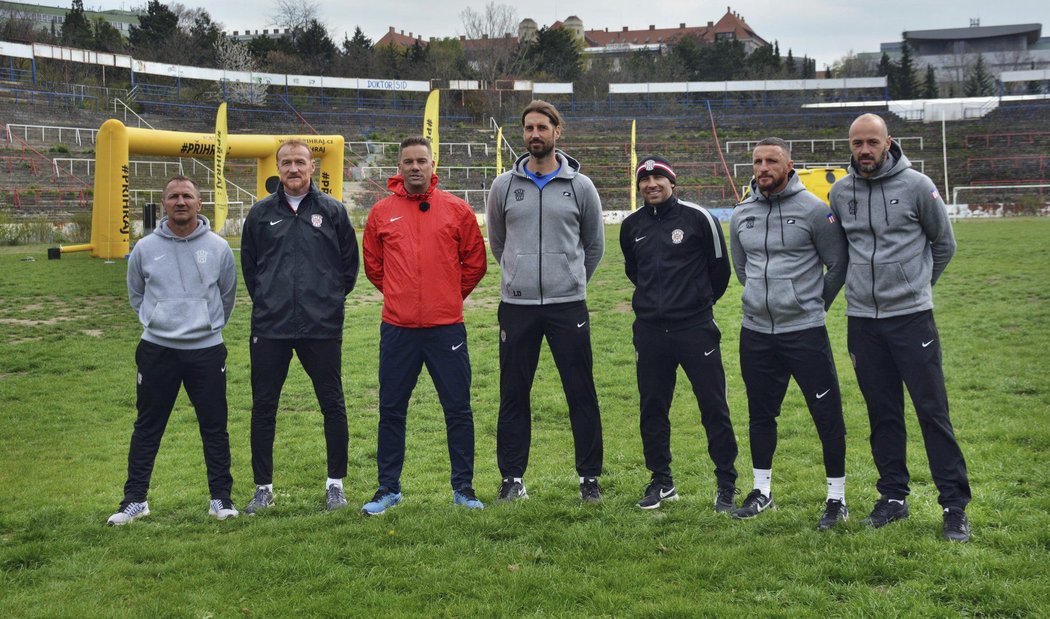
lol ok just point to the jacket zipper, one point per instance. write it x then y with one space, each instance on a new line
874 248
765 269
539 253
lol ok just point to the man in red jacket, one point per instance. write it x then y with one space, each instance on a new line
423 250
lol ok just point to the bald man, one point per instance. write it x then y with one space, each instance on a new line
900 241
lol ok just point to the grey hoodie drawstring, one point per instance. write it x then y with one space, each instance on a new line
885 204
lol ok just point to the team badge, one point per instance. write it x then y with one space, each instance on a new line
202 256
936 196
749 222
316 220
677 236
831 218
853 207
519 194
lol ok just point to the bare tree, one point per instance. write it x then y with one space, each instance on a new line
492 50
295 15
235 56
852 66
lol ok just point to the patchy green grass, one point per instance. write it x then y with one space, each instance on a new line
67 338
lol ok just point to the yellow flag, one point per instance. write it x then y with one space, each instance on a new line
430 122
221 203
499 151
634 167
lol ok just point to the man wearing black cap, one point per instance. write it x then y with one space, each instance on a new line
676 257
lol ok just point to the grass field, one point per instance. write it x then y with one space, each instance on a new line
67 400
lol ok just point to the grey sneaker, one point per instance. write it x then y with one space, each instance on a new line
263 499
128 511
725 499
956 525
222 509
590 491
753 505
334 498
511 490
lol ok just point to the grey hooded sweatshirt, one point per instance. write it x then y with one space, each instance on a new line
183 289
900 238
548 242
780 246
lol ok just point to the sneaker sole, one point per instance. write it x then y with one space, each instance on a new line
142 514
770 507
673 497
222 517
874 525
523 495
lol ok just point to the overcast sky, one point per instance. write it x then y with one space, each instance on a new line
822 29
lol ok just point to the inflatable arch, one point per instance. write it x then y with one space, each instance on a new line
110 216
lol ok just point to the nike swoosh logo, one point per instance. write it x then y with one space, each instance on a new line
224 369
710 352
274 223
925 344
457 346
640 238
580 325
664 495
821 395
396 218
160 257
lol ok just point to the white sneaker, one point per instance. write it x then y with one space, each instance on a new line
129 510
222 509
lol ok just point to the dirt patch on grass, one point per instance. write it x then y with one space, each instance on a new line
93 332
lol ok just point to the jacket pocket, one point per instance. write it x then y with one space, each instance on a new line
522 281
557 277
783 302
898 285
858 287
179 318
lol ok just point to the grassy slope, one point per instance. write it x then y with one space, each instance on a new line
67 403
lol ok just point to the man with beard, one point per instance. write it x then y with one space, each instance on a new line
675 255
423 250
900 241
545 228
782 238
299 258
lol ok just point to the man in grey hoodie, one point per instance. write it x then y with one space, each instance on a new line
900 241
545 229
783 237
182 282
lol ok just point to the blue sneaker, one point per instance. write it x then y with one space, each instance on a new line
465 496
384 499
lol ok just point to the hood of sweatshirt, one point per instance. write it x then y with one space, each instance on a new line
568 167
396 184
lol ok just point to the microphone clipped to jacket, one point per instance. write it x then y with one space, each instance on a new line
424 206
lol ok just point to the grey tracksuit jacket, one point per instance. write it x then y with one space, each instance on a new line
780 246
183 289
548 242
900 238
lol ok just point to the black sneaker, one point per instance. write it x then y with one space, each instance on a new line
511 490
956 525
656 492
834 512
753 505
725 499
263 499
590 491
885 512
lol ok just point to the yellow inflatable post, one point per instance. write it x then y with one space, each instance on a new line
110 217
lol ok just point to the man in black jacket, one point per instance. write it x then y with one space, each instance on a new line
676 257
299 258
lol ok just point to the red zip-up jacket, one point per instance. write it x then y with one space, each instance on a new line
424 262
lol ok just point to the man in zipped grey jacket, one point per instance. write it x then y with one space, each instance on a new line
900 241
182 282
545 229
782 238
